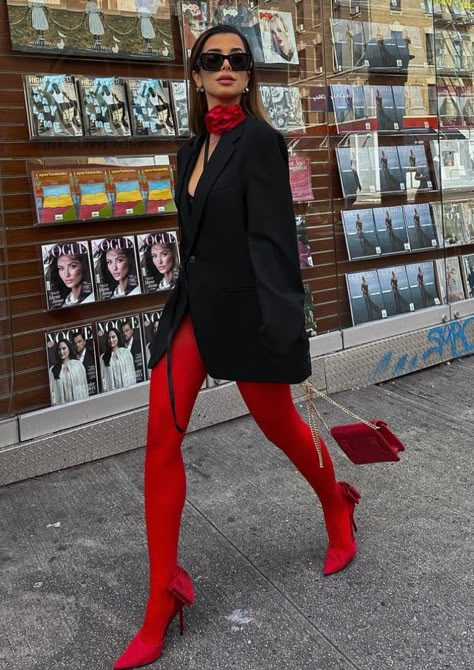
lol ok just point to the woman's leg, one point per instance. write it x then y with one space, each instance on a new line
272 407
165 479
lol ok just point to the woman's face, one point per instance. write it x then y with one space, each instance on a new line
63 351
281 38
70 270
162 258
117 264
226 85
112 340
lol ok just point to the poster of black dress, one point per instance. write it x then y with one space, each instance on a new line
360 234
98 28
391 230
52 106
420 226
365 297
72 364
396 291
67 272
120 345
422 281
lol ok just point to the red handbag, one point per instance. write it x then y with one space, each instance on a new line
363 442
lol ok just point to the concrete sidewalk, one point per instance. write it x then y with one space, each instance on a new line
74 569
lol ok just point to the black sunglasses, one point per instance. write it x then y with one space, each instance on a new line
213 62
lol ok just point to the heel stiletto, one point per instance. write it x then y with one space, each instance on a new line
338 557
138 652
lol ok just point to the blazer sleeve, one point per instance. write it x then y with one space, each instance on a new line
273 241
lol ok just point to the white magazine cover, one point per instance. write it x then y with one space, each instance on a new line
67 272
115 267
121 356
179 95
278 37
159 260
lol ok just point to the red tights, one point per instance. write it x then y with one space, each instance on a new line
272 407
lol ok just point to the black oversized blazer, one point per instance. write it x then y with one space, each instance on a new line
240 276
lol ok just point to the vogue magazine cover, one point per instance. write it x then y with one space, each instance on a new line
391 176
365 297
159 260
104 107
52 106
396 291
150 322
421 277
121 356
361 236
72 364
92 28
115 267
420 227
151 108
391 230
385 108
67 274
414 167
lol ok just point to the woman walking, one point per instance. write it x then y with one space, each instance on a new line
236 312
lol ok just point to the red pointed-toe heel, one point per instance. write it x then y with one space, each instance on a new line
338 557
138 652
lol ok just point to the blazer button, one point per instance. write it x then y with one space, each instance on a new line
191 259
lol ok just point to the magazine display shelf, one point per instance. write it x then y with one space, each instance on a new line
370 76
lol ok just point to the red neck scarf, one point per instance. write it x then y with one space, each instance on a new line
223 118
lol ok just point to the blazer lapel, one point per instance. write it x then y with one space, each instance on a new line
217 162
188 160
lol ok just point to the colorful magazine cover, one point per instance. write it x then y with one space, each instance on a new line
421 278
104 107
391 176
360 234
300 178
468 271
179 94
449 221
92 192
115 267
304 249
450 283
72 364
157 188
54 196
150 105
159 260
52 106
396 291
150 323
92 28
67 272
420 227
121 355
391 230
310 320
365 297
414 167
278 37
127 193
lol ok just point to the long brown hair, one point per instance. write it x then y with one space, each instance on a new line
250 102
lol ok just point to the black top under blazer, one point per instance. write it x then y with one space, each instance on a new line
240 277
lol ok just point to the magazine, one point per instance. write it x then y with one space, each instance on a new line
468 271
420 227
391 176
365 297
281 109
179 94
194 21
385 108
411 46
391 230
159 260
414 167
364 108
412 107
448 217
448 107
121 355
361 236
295 109
249 26
278 37
115 267
382 50
358 169
396 291
300 178
104 107
52 106
91 192
349 44
466 106
72 364
267 101
93 28
304 249
310 321
67 273
342 97
150 323
451 288
126 191
150 107
54 196
454 167
421 278
467 209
